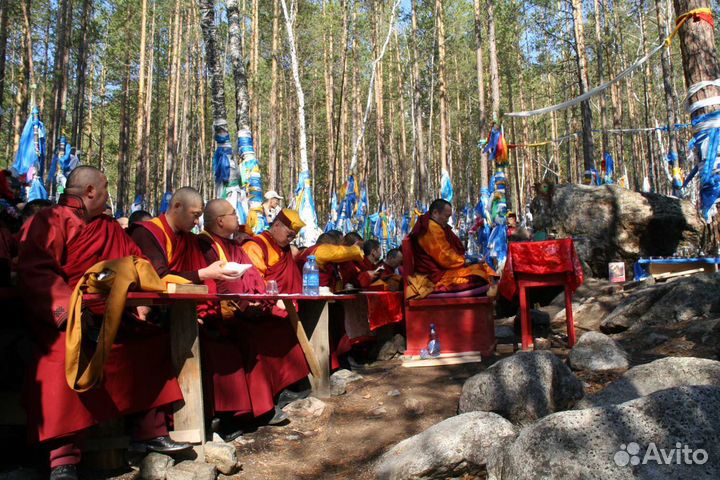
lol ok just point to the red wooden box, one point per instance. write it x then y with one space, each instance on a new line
464 324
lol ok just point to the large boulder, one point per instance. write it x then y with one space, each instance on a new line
467 444
625 441
612 223
651 377
522 388
596 351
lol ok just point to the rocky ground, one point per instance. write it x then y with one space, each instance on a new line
645 369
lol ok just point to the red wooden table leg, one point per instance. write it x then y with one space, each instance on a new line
569 317
525 327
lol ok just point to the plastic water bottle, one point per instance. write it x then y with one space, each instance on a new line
434 343
311 277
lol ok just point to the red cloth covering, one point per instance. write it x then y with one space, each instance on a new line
384 308
55 250
541 258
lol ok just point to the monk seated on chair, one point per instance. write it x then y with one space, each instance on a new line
58 246
440 255
330 255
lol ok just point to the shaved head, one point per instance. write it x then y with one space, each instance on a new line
186 196
91 185
186 208
83 176
221 218
216 208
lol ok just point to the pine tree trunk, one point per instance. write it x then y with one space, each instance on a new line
422 190
140 160
274 89
600 55
101 143
147 121
481 90
23 93
170 125
442 87
700 62
4 7
494 73
254 78
124 141
88 126
380 135
79 102
328 62
583 83
62 53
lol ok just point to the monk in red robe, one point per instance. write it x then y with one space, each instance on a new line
330 256
58 246
270 253
440 255
172 248
272 358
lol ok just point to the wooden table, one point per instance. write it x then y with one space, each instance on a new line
189 416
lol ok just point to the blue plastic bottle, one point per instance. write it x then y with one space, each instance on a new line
311 277
434 343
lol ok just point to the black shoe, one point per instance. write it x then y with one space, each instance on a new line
166 445
279 418
64 472
288 396
225 429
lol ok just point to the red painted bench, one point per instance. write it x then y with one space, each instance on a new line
464 324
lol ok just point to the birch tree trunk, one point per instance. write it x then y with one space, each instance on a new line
289 20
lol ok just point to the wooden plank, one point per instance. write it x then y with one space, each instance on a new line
188 436
455 359
185 348
299 330
677 273
315 317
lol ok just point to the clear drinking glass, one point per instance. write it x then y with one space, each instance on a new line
272 287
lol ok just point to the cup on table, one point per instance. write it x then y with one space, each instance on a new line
272 287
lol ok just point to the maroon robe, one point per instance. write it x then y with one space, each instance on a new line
329 275
223 364
278 352
56 249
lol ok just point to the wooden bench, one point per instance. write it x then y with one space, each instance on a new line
465 324
189 417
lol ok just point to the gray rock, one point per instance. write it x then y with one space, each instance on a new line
632 308
611 223
586 316
468 444
596 351
654 376
598 442
340 380
189 470
305 407
377 411
393 393
522 388
222 455
400 343
155 466
388 351
414 406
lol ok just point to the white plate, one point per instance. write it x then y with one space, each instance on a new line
233 268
